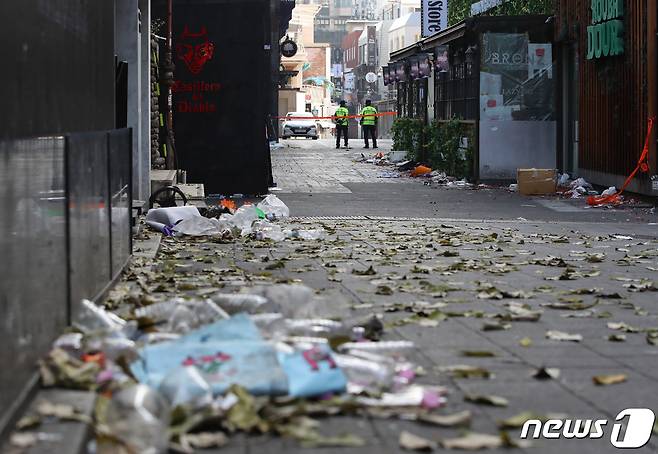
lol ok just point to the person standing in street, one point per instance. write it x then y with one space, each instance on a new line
369 124
340 117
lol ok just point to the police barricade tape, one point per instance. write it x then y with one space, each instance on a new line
379 114
642 166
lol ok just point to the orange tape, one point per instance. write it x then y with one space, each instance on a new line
642 166
381 114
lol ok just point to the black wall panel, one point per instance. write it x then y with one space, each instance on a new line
222 92
56 66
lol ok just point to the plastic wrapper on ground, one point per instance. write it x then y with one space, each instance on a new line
265 230
139 416
274 208
186 386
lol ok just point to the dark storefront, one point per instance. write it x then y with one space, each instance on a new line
495 74
608 68
222 92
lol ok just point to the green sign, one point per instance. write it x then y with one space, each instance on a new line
605 37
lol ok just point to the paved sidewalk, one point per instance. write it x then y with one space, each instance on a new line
596 273
316 179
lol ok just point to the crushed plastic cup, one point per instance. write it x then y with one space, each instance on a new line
265 230
315 234
429 397
235 303
387 346
206 311
610 191
563 180
243 218
139 416
274 208
364 375
69 342
200 226
93 319
186 386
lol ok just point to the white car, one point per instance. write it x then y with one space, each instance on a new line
300 124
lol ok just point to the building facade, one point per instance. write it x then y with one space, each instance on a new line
609 90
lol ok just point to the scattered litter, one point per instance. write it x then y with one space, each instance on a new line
473 442
561 336
606 380
139 416
274 208
164 219
411 442
420 171
546 373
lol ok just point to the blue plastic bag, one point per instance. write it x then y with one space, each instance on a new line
227 352
312 372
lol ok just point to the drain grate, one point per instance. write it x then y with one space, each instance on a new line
408 219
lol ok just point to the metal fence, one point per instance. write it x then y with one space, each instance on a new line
65 234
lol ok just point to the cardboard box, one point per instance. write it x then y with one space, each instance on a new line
537 181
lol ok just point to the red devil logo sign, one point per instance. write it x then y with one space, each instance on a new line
195 49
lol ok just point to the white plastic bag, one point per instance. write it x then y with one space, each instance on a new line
274 208
243 218
200 226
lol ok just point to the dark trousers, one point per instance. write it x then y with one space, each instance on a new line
370 131
341 130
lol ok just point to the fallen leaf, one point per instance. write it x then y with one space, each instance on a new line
622 327
204 440
28 422
605 380
411 442
369 272
384 290
494 401
547 373
23 440
462 371
525 342
520 313
573 305
473 442
478 354
564 337
643 286
457 419
495 326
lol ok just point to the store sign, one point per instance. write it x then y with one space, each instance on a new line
434 16
605 37
193 95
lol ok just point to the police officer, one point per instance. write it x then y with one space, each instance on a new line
369 124
341 123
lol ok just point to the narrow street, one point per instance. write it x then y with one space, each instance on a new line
459 275
191 264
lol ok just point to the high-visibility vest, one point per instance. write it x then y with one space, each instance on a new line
341 112
369 119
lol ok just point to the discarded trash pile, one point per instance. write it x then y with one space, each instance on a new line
258 221
184 373
400 166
